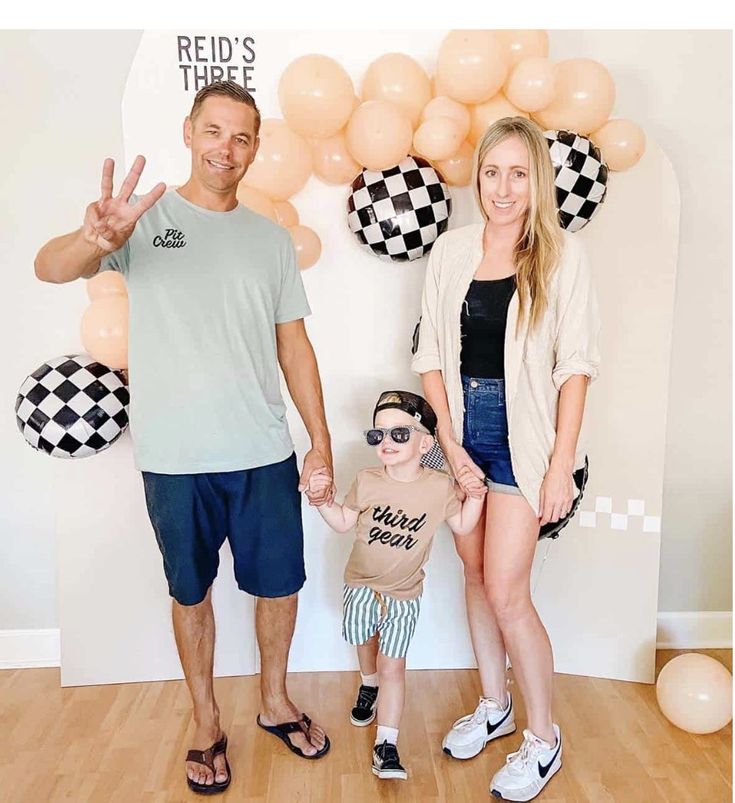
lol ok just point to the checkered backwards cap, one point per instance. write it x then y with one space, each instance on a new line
410 403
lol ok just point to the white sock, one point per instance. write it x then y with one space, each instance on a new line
369 680
386 734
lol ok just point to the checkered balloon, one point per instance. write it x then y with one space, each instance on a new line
434 458
72 406
581 177
398 213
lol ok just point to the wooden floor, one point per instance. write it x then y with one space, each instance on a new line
126 743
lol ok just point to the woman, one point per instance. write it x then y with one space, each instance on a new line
506 347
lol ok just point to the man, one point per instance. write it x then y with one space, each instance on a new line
217 302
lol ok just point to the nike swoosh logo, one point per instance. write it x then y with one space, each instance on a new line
492 728
542 771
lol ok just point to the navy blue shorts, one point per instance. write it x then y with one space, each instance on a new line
485 432
258 510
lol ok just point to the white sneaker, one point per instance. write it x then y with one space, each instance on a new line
470 734
527 771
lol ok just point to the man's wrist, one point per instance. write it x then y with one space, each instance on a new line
92 252
321 442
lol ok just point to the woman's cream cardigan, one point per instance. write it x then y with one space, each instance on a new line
537 364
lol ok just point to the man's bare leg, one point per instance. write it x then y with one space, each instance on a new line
275 619
194 630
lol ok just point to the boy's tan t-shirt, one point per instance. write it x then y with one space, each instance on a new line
395 528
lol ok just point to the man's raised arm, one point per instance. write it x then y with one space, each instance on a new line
108 224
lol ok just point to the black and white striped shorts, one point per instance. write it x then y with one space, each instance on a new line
366 612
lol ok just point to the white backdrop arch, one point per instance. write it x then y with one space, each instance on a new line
598 589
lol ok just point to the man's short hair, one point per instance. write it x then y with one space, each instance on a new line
226 89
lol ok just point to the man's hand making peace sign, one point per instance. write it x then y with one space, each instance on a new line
108 223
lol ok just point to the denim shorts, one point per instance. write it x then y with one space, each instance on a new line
485 432
258 510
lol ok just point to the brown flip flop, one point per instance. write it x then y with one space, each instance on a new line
282 731
206 758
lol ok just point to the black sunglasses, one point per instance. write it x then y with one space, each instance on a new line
375 436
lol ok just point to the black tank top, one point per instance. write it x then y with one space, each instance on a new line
484 313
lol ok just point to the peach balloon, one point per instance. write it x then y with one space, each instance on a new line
104 331
530 85
283 163
583 98
446 107
694 692
472 65
256 201
106 283
286 214
316 96
378 135
524 44
622 143
485 114
438 138
457 170
401 80
332 161
307 244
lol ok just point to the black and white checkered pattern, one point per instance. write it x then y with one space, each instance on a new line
581 177
434 458
398 213
72 406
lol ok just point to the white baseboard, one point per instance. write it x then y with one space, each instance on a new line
691 630
21 649
677 630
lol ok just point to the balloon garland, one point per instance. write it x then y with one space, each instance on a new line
399 145
402 112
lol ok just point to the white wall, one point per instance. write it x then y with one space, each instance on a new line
60 93
64 90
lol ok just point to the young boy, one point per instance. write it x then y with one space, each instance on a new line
397 508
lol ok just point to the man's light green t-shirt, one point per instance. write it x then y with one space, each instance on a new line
206 291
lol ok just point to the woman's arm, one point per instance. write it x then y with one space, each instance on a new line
557 490
578 319
569 421
470 477
576 365
435 393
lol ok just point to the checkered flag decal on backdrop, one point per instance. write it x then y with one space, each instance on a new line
72 406
581 177
398 213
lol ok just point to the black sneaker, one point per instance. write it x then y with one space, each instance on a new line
387 762
364 711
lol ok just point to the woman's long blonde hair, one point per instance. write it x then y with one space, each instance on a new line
539 247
